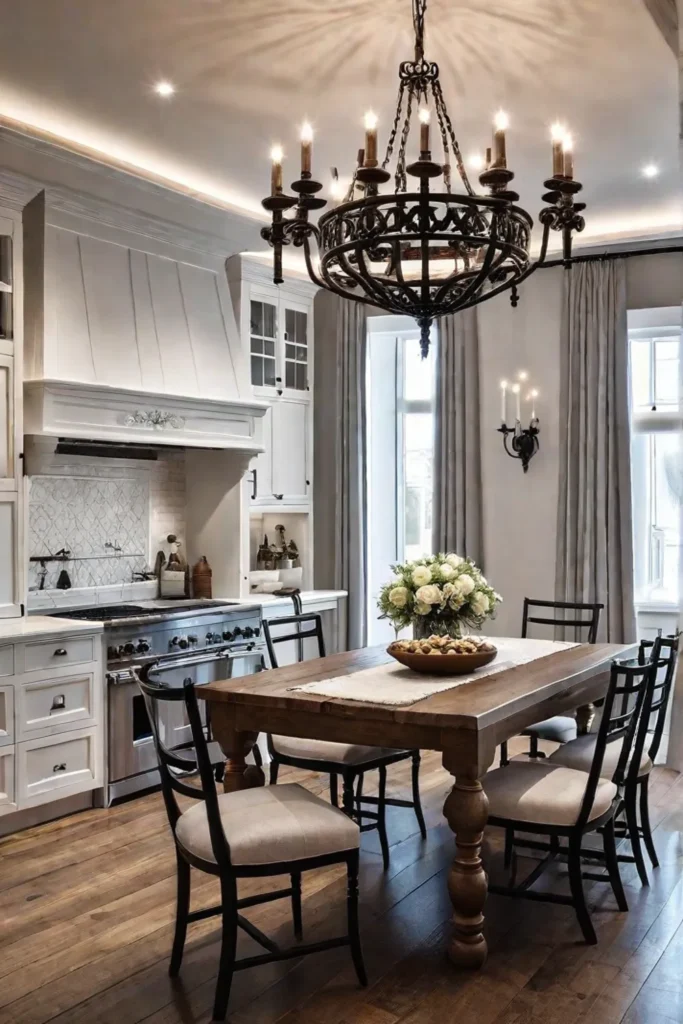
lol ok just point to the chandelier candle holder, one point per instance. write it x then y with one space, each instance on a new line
422 249
523 442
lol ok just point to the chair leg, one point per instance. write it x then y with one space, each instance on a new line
348 796
352 911
226 965
578 895
359 798
634 833
296 904
417 802
274 769
645 820
504 756
382 815
334 791
182 910
533 748
612 865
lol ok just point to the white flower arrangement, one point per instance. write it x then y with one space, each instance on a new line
439 594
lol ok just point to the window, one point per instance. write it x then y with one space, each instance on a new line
400 422
657 480
262 338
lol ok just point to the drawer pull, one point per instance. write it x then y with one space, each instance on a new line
61 652
58 703
60 767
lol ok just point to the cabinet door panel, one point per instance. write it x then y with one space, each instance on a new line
263 463
8 799
290 451
10 602
8 454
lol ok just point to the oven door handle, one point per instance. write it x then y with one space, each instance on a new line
168 662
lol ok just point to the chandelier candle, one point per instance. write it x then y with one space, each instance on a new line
557 134
306 148
568 153
424 133
501 123
370 140
276 155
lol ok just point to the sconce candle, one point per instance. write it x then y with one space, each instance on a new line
518 412
503 400
557 134
568 151
533 395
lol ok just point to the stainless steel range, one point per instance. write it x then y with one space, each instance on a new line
175 633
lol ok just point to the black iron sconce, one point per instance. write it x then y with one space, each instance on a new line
523 443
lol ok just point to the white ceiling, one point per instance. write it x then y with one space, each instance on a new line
247 72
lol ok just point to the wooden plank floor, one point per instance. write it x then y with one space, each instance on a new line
87 907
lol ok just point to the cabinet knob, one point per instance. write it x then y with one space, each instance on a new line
58 703
60 652
278 497
59 767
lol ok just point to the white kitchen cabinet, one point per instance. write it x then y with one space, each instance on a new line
276 333
281 474
8 797
10 567
10 441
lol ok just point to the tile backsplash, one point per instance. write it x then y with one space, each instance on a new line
112 515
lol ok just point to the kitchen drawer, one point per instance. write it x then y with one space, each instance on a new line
6 715
7 660
48 706
57 766
57 653
8 800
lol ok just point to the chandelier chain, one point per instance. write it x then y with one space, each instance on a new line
444 118
400 176
395 126
419 12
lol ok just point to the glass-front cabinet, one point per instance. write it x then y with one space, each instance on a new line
278 343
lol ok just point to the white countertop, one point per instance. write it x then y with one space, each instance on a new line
307 597
44 625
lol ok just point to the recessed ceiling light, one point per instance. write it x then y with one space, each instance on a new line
164 89
650 171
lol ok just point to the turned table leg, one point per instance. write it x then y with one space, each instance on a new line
466 810
236 745
584 719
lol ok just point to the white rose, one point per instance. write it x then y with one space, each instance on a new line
422 574
430 594
456 602
465 584
422 609
479 603
449 589
454 560
399 596
483 580
446 571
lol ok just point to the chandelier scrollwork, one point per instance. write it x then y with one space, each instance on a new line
423 250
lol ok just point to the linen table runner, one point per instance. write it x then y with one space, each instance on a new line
398 686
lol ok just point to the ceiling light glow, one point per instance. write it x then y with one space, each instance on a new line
164 89
650 171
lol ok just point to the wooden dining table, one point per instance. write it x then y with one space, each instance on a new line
466 724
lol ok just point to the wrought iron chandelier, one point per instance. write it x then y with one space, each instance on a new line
427 250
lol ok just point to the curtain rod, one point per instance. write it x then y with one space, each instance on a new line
620 255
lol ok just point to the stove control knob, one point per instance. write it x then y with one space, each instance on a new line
212 638
257 631
143 646
228 635
238 632
112 652
183 642
129 648
174 642
248 632
192 638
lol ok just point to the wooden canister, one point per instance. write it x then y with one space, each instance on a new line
201 578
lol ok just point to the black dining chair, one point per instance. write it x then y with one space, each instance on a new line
579 753
565 804
252 833
585 622
351 761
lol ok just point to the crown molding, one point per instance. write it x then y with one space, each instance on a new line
18 189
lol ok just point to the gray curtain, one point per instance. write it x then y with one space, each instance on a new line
457 510
594 534
339 457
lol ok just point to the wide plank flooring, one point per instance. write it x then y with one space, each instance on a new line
87 908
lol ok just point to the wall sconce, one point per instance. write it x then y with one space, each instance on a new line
524 441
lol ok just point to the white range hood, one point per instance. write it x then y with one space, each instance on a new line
130 340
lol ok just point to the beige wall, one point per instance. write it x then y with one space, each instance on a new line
520 510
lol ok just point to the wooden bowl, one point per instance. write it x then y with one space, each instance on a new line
442 664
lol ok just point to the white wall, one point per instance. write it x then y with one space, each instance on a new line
520 510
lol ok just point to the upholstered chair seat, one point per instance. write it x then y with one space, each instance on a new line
543 794
324 750
270 825
580 752
559 729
